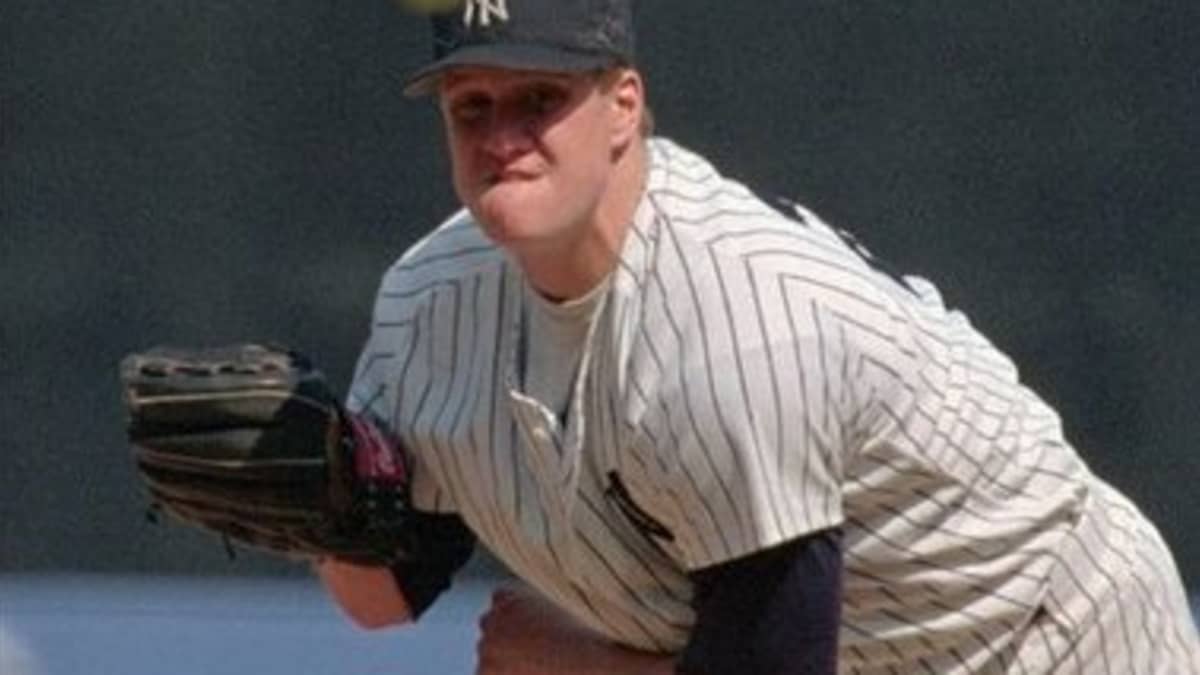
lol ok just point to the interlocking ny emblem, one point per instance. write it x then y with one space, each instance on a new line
483 11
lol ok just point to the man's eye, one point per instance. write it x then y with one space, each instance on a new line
469 111
543 100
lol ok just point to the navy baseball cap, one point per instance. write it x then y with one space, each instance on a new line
546 35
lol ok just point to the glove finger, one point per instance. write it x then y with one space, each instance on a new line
309 537
296 443
231 386
275 541
191 412
282 535
170 370
297 501
251 453
187 409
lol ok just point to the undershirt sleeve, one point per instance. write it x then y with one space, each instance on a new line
776 612
441 545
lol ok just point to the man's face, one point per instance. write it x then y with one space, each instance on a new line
531 152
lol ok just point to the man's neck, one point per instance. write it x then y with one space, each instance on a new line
567 270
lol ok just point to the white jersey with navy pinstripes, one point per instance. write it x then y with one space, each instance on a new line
751 377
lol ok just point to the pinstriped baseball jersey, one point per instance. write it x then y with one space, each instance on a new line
751 376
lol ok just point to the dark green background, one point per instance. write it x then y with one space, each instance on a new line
205 171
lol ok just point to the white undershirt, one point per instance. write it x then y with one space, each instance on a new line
555 337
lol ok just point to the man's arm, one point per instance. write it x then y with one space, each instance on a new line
775 612
524 632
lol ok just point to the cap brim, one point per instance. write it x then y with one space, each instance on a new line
507 56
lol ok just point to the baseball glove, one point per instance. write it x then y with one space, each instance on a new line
248 442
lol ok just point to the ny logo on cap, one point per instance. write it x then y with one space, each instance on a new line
483 11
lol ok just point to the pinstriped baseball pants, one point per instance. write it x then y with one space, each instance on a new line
1116 604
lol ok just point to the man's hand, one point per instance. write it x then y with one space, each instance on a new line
367 594
522 633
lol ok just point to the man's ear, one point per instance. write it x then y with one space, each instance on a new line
628 105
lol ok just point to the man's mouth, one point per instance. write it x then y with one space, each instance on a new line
510 176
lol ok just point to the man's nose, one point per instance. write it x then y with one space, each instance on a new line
507 136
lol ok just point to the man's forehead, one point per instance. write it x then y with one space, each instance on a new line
485 76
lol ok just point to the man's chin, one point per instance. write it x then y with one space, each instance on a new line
504 226
507 215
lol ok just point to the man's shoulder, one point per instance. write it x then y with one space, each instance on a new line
704 204
453 251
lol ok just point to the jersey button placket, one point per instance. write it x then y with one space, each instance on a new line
554 471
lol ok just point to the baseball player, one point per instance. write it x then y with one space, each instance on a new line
710 432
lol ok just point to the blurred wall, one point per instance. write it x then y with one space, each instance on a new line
214 171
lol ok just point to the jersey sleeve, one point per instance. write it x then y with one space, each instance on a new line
378 378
